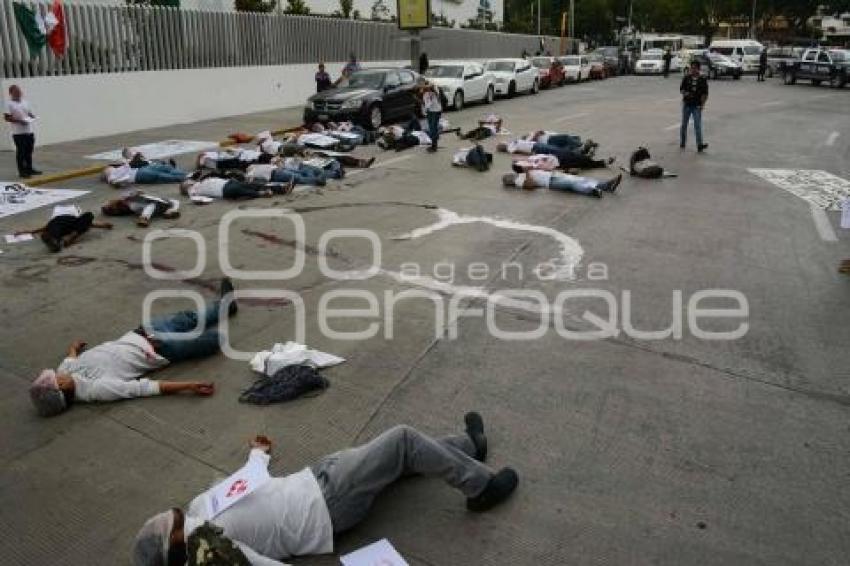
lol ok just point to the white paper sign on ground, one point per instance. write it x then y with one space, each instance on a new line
380 553
15 239
16 201
245 481
821 188
158 150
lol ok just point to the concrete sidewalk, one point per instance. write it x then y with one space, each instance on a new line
60 157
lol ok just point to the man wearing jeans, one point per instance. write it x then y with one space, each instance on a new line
694 89
557 181
297 515
20 117
113 370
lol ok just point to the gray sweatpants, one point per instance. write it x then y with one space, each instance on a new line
351 479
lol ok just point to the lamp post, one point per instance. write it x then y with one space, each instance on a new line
538 18
753 22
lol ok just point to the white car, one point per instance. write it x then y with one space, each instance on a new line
461 82
576 67
651 62
511 76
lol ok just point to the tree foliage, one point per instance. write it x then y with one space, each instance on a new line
254 5
297 7
598 20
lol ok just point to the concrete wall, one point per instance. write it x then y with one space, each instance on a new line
75 107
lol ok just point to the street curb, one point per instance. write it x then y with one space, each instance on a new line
96 169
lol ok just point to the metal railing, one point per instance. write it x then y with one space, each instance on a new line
116 39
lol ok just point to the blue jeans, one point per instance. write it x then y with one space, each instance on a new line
177 349
573 183
305 175
159 173
564 140
433 126
687 112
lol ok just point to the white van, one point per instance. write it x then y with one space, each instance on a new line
744 51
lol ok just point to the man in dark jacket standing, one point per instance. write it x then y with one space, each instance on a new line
667 57
762 65
694 89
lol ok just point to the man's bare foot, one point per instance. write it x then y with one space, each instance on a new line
143 222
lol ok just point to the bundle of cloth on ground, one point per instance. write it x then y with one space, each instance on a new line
272 518
114 370
641 164
474 157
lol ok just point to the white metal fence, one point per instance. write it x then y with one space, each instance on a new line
115 39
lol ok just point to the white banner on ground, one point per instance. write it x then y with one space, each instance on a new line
158 150
821 188
380 553
16 198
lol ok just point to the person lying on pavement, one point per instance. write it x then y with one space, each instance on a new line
558 181
154 173
231 159
114 370
65 226
143 206
273 518
214 187
474 157
567 158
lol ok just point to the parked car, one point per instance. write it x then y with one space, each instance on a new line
650 62
550 71
576 67
370 98
612 60
597 66
745 52
779 56
462 82
715 66
819 65
511 76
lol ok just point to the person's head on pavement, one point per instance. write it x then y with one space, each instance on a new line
509 179
502 147
160 541
116 207
695 67
15 93
52 393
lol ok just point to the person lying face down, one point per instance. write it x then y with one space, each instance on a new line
344 159
294 171
122 174
114 370
67 223
401 138
237 159
143 206
344 131
558 181
299 514
488 127
474 157
567 141
567 158
233 189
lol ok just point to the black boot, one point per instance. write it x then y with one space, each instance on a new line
475 431
499 488
226 288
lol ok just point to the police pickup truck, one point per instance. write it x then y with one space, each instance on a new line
819 65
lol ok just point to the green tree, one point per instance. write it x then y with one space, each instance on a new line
254 5
297 7
345 9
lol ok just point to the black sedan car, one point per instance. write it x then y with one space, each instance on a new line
371 97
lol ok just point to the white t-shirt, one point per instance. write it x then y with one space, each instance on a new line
121 175
66 210
20 111
521 146
542 161
271 146
318 140
212 187
249 155
431 101
260 171
284 517
459 158
424 139
292 163
539 178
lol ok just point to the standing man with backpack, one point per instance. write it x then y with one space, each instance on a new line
694 89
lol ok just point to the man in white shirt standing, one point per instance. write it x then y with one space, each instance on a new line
20 119
277 517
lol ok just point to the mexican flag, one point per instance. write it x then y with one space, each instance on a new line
43 26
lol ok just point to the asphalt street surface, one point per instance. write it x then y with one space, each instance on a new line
630 450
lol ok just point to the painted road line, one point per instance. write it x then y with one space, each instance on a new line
672 127
770 103
382 164
570 117
824 228
831 139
